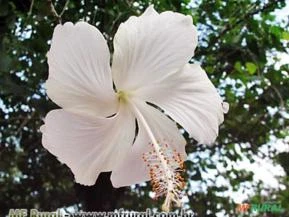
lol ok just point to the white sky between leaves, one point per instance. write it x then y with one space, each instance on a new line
263 169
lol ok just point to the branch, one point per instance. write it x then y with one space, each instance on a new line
31 8
242 19
64 8
25 122
282 103
54 12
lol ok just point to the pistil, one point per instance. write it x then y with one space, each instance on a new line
165 166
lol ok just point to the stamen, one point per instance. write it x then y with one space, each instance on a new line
166 180
164 166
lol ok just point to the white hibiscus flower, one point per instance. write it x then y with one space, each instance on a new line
95 131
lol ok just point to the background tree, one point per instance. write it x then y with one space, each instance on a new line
239 46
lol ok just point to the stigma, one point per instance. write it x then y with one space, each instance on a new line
165 167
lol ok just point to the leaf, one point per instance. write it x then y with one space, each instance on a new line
276 30
251 68
285 35
238 66
4 9
283 159
5 62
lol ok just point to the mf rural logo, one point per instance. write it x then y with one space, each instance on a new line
272 207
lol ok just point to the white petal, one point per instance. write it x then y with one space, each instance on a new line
149 47
226 107
150 11
190 99
79 71
132 169
88 146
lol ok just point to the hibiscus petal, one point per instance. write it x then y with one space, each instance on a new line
132 169
79 70
190 99
88 146
150 47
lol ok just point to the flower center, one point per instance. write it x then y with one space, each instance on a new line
122 96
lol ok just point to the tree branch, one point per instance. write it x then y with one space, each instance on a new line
54 12
242 19
31 8
64 8
25 122
279 95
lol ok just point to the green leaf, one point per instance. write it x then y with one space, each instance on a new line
238 66
251 68
283 159
276 30
5 62
4 9
285 35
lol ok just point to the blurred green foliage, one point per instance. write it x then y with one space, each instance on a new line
236 39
